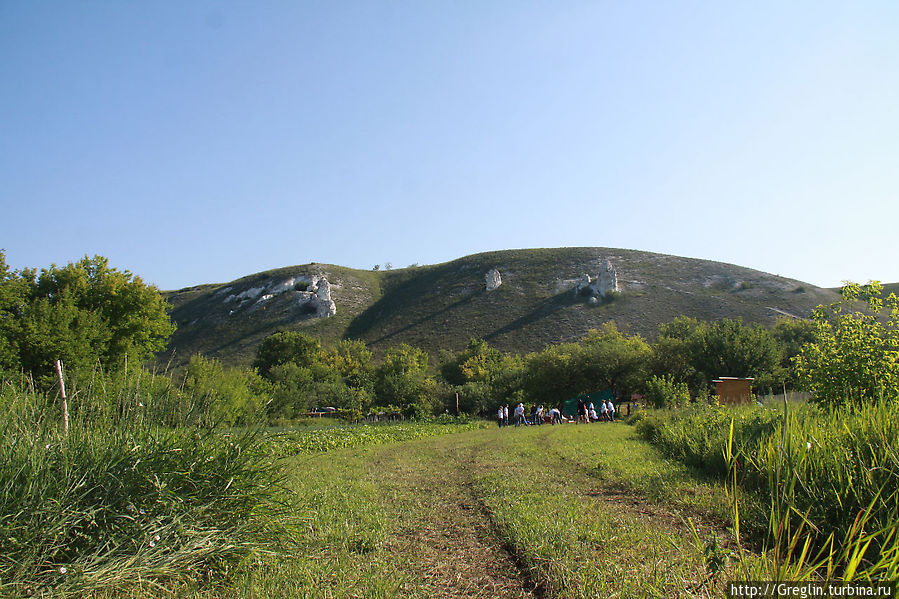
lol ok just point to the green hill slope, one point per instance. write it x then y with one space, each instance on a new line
443 305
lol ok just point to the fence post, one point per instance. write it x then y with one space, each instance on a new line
65 403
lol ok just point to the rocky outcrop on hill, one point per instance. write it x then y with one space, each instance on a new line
597 288
313 297
324 305
316 298
493 279
607 280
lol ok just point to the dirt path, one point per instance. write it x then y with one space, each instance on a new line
509 514
450 544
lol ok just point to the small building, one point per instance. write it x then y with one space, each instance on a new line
734 390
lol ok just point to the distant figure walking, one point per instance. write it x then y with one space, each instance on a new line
611 411
499 416
506 415
604 411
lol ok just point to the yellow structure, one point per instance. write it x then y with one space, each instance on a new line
734 390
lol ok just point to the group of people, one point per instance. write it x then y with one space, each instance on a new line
585 413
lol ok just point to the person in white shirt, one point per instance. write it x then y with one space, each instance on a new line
499 416
519 415
555 416
611 411
604 411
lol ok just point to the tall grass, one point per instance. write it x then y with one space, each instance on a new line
134 494
831 478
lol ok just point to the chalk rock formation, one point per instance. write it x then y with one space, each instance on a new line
317 298
313 296
493 279
606 281
325 305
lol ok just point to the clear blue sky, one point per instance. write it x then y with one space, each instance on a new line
196 142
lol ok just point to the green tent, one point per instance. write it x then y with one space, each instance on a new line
569 408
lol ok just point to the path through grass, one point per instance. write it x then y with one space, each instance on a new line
566 511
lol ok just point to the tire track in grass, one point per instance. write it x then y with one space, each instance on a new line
516 513
448 541
579 534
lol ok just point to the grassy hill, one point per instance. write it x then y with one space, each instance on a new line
441 306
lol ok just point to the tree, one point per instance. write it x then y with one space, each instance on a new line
673 357
82 313
134 312
477 362
608 359
401 380
483 376
854 358
549 377
287 347
352 360
727 347
12 298
792 334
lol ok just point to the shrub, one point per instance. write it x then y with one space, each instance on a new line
855 355
664 392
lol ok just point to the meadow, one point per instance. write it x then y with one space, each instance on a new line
140 499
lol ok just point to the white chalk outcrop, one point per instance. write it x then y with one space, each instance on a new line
493 279
596 288
314 296
325 306
607 280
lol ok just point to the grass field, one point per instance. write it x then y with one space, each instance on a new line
468 510
564 511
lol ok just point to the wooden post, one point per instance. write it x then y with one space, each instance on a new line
457 403
65 403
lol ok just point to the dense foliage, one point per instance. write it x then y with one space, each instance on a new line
696 352
84 313
304 376
665 392
855 354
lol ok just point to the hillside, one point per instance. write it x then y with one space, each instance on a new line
441 306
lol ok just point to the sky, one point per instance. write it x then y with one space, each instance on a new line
198 142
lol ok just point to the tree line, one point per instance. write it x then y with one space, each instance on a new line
94 317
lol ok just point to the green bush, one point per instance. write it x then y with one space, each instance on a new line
855 355
664 392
